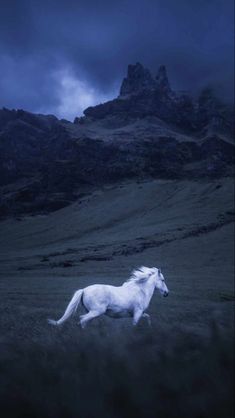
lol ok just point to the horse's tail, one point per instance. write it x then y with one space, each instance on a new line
71 308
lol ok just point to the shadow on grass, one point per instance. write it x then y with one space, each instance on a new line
99 373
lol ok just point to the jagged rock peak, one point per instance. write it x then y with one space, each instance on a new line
138 78
162 79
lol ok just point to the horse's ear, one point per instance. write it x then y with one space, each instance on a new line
159 272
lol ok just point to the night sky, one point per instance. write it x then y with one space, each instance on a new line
60 56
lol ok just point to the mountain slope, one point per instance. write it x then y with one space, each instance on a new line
129 220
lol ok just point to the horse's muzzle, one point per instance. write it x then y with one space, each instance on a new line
165 294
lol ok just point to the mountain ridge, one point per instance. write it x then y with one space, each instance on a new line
148 131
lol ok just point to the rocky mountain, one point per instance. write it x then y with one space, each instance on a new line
149 130
142 95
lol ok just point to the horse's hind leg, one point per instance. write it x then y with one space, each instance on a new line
88 317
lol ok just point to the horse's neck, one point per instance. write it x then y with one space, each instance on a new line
148 289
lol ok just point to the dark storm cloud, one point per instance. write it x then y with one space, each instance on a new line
59 56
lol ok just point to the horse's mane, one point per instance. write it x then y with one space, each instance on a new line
140 275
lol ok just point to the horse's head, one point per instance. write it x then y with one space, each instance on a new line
160 283
147 275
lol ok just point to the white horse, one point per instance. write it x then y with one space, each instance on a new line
129 300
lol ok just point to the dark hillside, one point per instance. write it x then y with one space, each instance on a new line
149 131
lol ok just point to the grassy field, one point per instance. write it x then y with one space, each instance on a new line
182 366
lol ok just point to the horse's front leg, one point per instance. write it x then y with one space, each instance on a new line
137 315
147 316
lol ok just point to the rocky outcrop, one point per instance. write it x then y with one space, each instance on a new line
162 80
138 79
